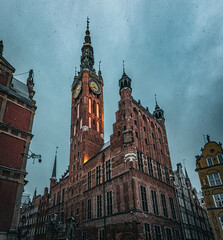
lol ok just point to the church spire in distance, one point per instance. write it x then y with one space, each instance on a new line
87 57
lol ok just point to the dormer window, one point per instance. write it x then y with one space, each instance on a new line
220 158
209 161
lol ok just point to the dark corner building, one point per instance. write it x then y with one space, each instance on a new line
194 219
17 109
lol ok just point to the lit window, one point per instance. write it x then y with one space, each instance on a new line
98 126
89 122
89 106
80 123
214 179
218 198
78 110
74 130
209 161
97 110
220 158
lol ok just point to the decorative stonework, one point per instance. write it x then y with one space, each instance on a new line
85 128
129 157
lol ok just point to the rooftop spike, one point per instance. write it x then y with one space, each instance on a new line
123 67
54 173
1 47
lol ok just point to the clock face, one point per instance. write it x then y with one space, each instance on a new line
94 86
77 89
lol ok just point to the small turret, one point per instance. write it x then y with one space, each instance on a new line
125 81
158 112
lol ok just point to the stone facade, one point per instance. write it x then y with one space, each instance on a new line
209 166
17 109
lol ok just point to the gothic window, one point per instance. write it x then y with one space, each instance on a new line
169 234
89 122
78 110
99 206
108 170
148 233
97 110
209 161
109 203
214 179
98 129
220 158
140 161
218 198
155 202
98 175
158 232
144 199
89 180
150 166
172 208
89 207
159 171
164 206
167 176
89 105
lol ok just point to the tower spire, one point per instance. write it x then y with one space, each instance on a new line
54 173
123 67
158 112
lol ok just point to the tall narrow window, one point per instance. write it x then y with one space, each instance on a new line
159 171
98 126
81 123
89 209
150 166
101 234
98 175
209 161
221 221
164 206
158 232
155 203
220 158
74 130
97 110
78 110
89 180
140 161
108 170
109 203
218 198
147 231
89 105
144 199
89 122
94 107
99 206
172 208
63 192
169 234
167 176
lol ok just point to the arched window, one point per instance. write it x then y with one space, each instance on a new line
78 110
98 126
89 106
97 110
89 122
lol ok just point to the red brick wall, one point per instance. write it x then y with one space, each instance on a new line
17 116
3 79
11 151
8 190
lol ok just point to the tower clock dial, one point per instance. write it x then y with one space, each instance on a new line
94 86
77 89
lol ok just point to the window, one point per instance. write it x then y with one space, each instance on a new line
109 203
177 233
58 197
169 234
221 221
89 122
78 110
220 158
74 130
97 112
101 234
89 106
98 175
94 107
89 180
214 179
140 161
163 199
63 192
108 170
184 218
187 233
144 199
150 166
146 141
98 126
54 199
159 171
209 161
147 231
137 134
155 203
89 209
99 206
167 176
80 123
172 208
158 232
218 198
84 236
135 122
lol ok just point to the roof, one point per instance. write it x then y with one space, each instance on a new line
20 88
6 63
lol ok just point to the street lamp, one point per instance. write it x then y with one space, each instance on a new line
33 156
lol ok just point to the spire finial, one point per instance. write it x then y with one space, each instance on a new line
75 71
156 100
1 47
88 23
54 173
123 66
99 65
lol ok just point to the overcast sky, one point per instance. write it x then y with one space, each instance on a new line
172 48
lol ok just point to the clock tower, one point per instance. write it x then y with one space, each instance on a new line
87 112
